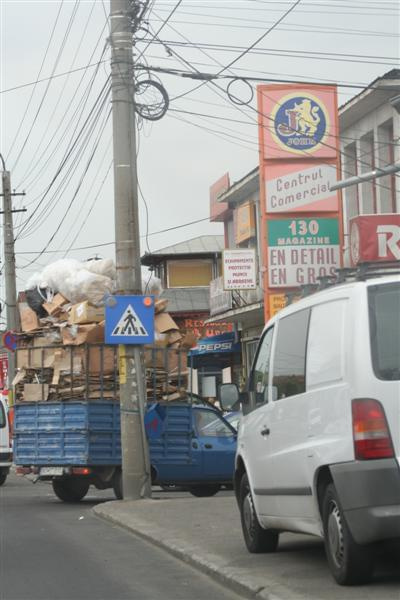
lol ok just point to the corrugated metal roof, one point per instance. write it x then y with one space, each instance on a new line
182 300
199 245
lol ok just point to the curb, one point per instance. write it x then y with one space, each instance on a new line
187 553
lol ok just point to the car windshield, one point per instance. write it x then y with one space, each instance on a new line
384 316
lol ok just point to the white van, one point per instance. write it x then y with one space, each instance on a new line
5 446
319 446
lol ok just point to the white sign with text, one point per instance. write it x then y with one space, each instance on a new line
239 266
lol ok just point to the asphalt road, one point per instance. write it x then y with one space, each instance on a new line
54 551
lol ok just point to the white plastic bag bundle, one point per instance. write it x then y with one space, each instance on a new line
75 280
104 267
152 285
84 285
55 274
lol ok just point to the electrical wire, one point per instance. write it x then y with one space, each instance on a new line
58 57
167 230
35 155
74 196
37 80
103 95
164 23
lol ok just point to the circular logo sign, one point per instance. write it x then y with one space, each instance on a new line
301 123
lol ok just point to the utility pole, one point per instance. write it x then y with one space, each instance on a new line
135 458
9 265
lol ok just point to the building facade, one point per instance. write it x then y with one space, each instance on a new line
369 139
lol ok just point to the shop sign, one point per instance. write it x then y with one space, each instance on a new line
300 187
276 303
301 250
375 238
196 323
239 268
218 210
220 300
245 225
298 120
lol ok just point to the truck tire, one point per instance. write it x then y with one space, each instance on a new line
117 485
3 476
257 538
350 563
204 491
71 489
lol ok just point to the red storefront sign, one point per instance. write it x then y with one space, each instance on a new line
196 324
3 372
375 238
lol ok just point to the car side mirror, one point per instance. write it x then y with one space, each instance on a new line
228 395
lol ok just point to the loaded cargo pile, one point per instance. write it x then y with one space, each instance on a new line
61 353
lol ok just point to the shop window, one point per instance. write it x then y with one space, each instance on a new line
189 273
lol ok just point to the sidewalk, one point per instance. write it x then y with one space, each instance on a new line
206 533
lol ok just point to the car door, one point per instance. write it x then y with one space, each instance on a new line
254 439
289 419
217 441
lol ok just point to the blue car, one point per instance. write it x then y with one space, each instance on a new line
191 446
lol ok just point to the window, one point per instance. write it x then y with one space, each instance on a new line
2 417
289 366
385 150
384 320
208 423
325 344
189 273
367 163
260 374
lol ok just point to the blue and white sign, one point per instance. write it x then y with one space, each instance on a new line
130 320
221 344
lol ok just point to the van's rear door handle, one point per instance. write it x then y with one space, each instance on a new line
265 431
208 446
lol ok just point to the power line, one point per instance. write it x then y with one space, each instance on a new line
35 158
59 54
37 80
161 28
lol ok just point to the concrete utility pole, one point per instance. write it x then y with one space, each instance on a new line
9 266
135 457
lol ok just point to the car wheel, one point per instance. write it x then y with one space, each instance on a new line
204 491
70 490
256 537
3 477
350 563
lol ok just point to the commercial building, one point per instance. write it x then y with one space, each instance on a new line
369 139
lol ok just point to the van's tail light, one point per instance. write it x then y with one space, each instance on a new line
370 430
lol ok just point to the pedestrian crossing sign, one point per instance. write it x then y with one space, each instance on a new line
130 320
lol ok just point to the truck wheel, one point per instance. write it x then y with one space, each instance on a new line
70 490
204 491
350 563
117 485
257 538
3 476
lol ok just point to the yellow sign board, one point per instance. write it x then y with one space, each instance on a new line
276 303
122 364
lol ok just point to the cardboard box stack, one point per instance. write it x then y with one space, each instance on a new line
55 358
62 355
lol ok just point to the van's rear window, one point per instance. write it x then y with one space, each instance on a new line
2 416
384 320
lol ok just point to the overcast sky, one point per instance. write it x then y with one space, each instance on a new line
345 41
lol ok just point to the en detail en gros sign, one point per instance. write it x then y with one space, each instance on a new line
301 250
239 268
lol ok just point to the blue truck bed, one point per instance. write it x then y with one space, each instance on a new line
67 433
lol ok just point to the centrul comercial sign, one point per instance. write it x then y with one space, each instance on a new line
299 161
